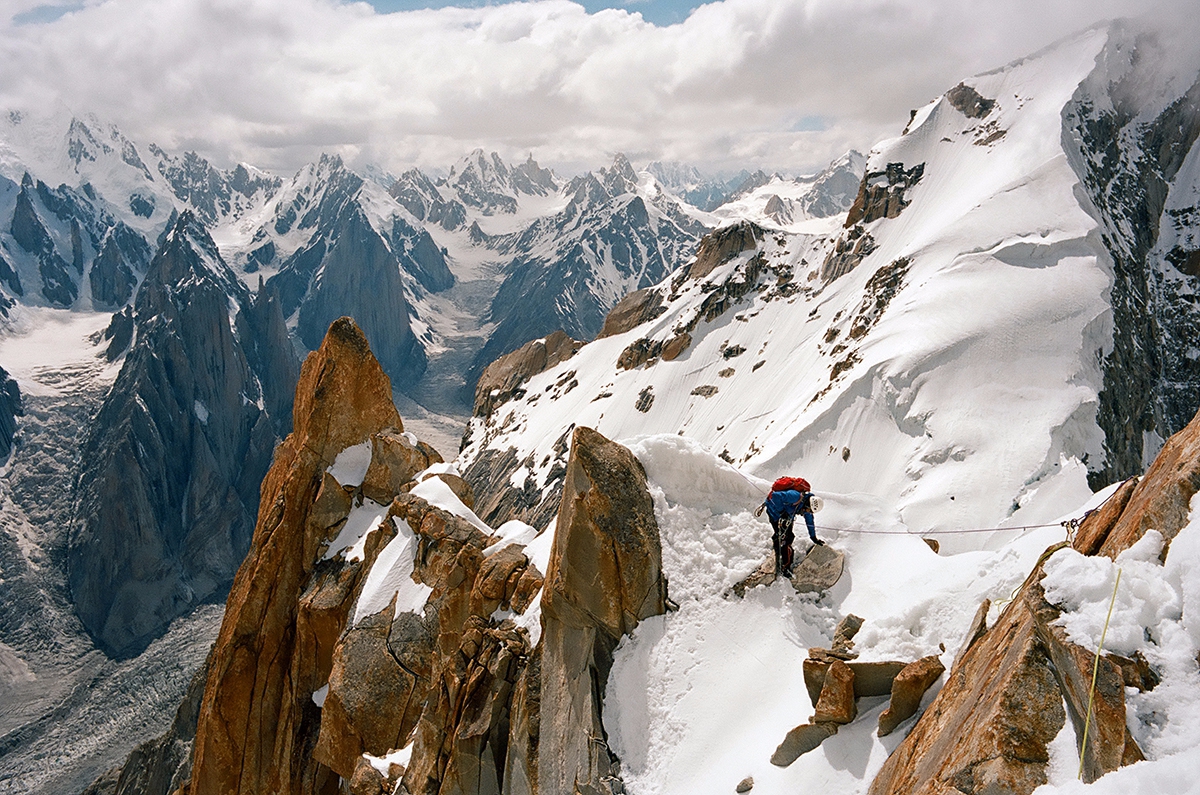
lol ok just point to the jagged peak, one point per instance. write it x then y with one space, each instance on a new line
622 166
479 163
187 254
330 162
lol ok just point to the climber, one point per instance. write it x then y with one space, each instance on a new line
788 497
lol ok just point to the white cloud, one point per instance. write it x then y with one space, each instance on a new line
276 82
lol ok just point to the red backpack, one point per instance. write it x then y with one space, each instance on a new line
791 484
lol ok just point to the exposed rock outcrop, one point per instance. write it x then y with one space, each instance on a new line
360 277
970 102
502 379
836 702
1096 526
848 251
605 576
10 408
1162 498
1129 152
123 258
988 727
724 244
819 571
395 458
172 465
882 193
58 286
907 690
631 311
800 740
257 721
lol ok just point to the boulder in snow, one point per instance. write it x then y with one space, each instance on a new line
836 702
801 740
907 689
819 571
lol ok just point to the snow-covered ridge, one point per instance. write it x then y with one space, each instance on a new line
981 305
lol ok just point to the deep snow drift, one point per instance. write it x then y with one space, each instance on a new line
699 698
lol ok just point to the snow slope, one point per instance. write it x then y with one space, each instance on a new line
982 306
945 381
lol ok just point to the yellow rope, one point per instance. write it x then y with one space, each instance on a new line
1096 670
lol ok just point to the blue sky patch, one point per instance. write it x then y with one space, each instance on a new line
660 12
41 15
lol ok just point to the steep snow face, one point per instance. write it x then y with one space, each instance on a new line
942 359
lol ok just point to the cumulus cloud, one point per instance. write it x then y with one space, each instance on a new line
738 84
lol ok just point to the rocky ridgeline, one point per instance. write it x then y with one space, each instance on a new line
481 708
988 729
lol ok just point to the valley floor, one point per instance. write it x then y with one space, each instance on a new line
67 712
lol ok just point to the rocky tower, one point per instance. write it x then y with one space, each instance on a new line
172 463
454 680
605 576
265 664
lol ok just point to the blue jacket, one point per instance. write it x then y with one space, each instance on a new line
790 503
787 503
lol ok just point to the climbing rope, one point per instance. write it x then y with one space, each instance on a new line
1087 722
959 531
1071 526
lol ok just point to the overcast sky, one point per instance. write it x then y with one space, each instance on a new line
776 84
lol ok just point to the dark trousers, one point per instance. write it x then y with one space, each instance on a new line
782 539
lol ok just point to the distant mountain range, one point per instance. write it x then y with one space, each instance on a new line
178 298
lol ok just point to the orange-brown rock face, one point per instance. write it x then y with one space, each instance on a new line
1110 744
631 311
836 702
907 689
257 716
447 680
1099 523
502 379
604 576
722 245
988 728
1162 499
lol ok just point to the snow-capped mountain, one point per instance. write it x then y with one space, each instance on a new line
686 182
489 185
330 243
617 233
781 202
968 288
961 346
968 349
